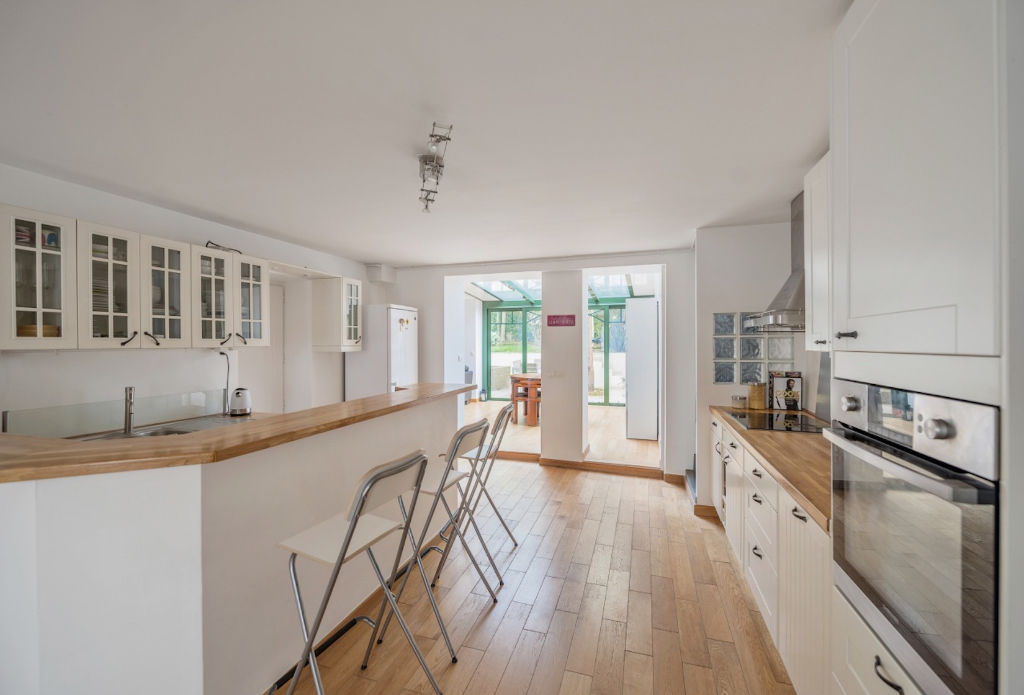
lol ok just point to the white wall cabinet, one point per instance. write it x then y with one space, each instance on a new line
818 255
717 469
337 315
108 287
251 310
734 492
805 587
213 297
166 297
38 308
916 177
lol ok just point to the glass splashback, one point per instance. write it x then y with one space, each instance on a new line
89 418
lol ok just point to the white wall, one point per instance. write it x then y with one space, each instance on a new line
738 269
564 433
425 288
474 338
44 378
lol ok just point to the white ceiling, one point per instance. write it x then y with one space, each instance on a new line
580 127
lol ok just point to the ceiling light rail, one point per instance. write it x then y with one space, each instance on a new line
432 163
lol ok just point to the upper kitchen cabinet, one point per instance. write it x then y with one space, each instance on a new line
108 287
337 315
37 301
818 254
252 301
166 301
212 297
916 167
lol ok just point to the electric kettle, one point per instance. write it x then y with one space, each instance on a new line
241 401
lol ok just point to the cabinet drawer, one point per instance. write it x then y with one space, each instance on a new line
761 480
762 577
765 520
731 446
859 659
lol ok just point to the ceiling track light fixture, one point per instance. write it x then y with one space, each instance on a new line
432 163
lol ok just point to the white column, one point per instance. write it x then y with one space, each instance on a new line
563 369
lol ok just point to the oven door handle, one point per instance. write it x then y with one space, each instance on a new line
949 489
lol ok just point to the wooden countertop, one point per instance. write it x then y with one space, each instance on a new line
800 462
37 458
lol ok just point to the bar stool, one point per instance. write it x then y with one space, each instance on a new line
356 532
485 464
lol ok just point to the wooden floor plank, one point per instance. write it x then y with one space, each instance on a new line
519 671
547 677
575 684
668 667
638 623
611 653
663 604
637 674
588 627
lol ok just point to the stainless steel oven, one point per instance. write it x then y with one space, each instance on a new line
915 505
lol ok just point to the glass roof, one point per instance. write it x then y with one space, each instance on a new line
600 287
521 290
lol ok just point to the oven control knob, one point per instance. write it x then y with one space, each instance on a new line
849 404
935 428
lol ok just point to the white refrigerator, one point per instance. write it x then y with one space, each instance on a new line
642 368
390 355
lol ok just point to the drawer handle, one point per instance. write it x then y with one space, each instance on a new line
714 424
798 515
878 672
759 555
757 473
732 445
846 334
820 342
756 498
718 448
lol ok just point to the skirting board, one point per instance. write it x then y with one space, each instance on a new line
518 456
599 467
704 510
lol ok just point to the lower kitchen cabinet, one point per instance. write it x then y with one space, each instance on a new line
733 499
805 586
861 665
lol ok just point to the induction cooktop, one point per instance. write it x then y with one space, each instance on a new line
781 421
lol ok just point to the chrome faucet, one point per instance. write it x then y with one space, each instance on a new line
227 380
129 409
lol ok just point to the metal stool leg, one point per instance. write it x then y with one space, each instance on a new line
401 621
305 631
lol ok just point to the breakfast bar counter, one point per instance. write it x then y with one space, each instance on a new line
127 568
800 462
38 458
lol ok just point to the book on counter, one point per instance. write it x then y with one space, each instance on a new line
785 390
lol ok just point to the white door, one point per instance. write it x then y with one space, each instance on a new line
166 271
403 368
642 368
108 287
818 254
38 292
916 184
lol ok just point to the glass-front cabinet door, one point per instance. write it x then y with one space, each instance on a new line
252 302
166 301
37 296
353 308
212 297
108 287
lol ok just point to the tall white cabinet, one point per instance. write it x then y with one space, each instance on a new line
108 287
38 308
916 164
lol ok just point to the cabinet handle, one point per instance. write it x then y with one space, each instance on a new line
878 672
756 498
714 424
151 336
759 555
726 459
226 339
732 445
130 338
820 342
718 448
244 341
359 340
757 474
798 515
846 334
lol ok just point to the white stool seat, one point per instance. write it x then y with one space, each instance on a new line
477 454
323 541
432 479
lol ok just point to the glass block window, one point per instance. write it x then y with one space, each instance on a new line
744 356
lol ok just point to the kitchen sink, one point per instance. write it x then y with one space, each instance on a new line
196 424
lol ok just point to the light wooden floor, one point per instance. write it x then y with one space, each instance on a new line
616 587
606 434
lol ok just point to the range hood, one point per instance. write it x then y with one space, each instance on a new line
785 313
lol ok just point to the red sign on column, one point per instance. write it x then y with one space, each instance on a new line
561 319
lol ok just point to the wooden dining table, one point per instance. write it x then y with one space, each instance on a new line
531 383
